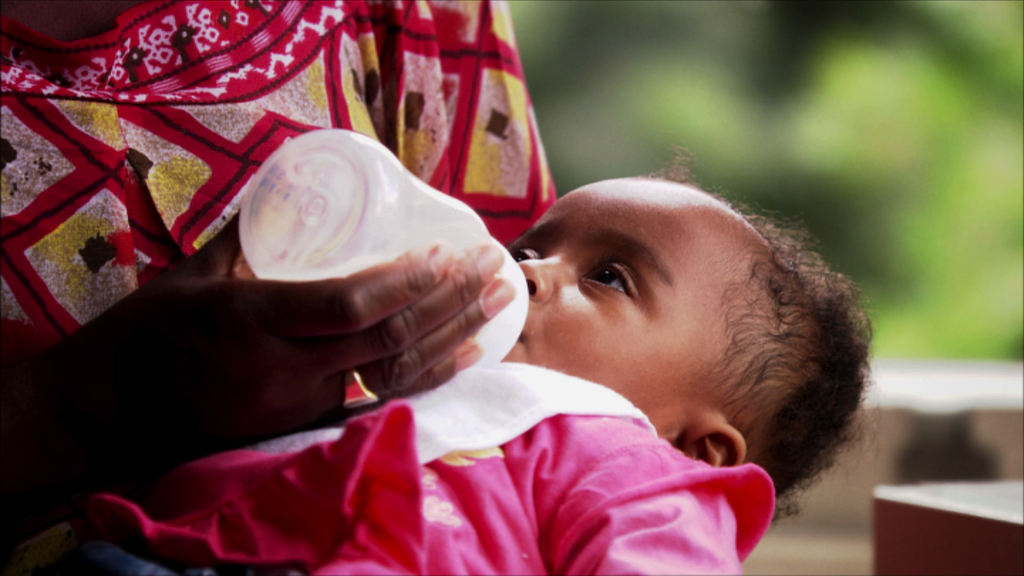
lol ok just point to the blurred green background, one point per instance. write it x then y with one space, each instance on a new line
893 130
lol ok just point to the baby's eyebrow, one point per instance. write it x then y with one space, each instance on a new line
624 242
553 231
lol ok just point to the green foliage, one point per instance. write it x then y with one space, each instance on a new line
894 131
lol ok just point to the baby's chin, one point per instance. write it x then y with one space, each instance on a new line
517 354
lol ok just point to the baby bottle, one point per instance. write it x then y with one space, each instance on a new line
332 202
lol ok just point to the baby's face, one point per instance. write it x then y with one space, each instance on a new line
627 283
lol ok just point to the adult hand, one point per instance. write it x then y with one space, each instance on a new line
206 356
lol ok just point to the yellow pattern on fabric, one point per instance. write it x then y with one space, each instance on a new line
503 23
423 8
303 98
220 222
316 88
368 52
175 174
173 184
206 235
499 163
41 552
6 192
59 259
60 249
353 64
97 119
371 67
469 457
420 146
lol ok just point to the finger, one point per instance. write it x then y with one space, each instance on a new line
461 288
345 305
397 373
465 355
448 302
432 361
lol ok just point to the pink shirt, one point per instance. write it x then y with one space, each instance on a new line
574 494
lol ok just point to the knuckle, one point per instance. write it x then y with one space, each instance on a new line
430 380
417 280
347 307
433 377
466 324
403 369
398 331
466 285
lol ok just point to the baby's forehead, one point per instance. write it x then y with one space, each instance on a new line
640 199
689 226
650 191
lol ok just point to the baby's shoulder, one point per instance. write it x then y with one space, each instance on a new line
615 451
576 444
589 466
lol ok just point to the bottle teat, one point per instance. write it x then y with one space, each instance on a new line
332 202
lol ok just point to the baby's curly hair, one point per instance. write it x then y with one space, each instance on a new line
798 352
797 356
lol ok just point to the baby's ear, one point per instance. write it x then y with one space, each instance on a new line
718 448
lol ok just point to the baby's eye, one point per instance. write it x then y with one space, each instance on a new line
520 254
610 277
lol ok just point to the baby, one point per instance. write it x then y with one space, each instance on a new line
677 350
738 343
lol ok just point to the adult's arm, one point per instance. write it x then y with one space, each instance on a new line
204 357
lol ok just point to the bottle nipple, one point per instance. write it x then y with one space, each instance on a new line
329 203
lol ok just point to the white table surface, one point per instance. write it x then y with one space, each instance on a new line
944 386
1002 501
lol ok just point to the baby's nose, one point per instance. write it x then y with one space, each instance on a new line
540 277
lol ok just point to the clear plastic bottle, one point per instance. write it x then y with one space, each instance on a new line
332 202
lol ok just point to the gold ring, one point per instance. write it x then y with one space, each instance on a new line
356 393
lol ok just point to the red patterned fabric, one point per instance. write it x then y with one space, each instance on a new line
124 152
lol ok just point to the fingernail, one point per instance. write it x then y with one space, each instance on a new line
467 354
489 261
439 258
496 296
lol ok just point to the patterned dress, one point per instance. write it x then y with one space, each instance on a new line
123 153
